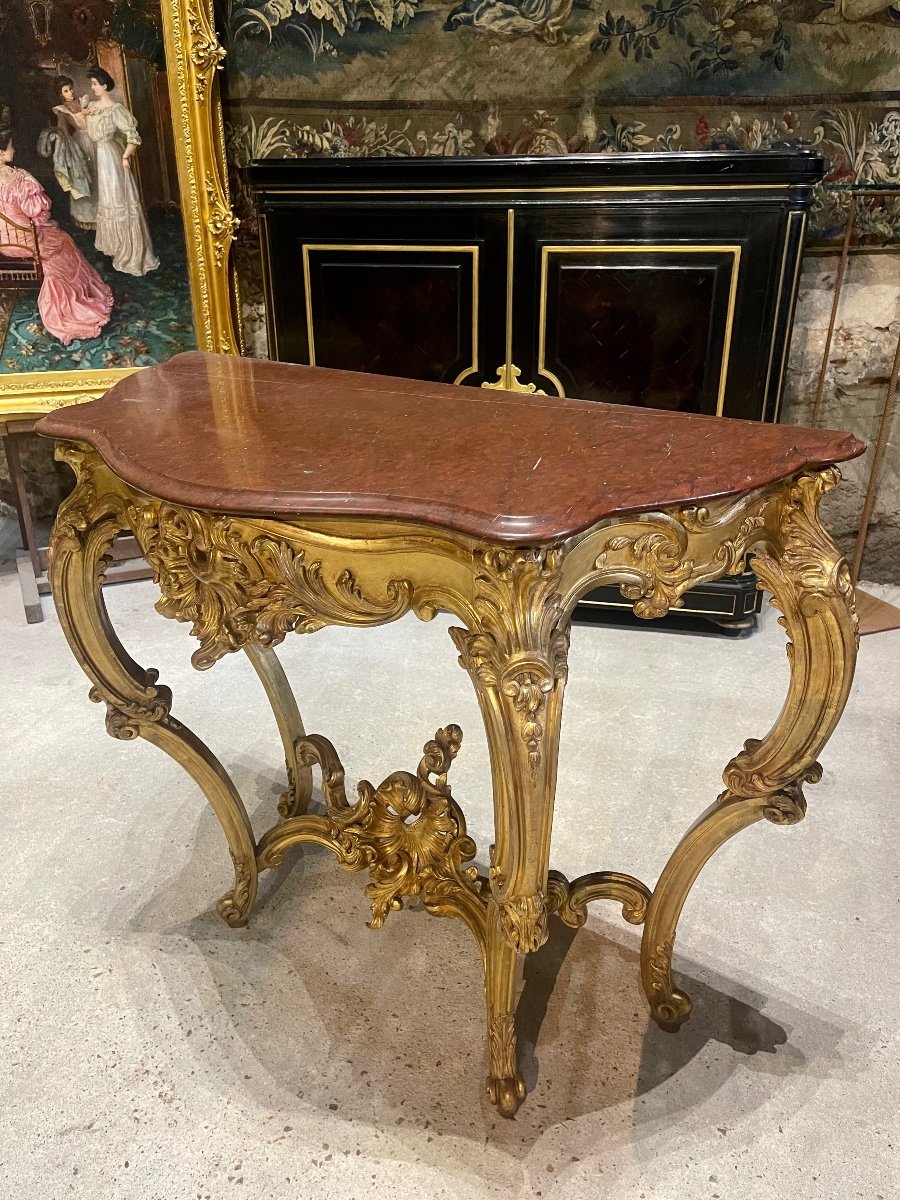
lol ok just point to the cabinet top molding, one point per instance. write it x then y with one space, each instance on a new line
259 438
770 170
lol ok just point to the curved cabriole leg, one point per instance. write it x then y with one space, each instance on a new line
515 653
136 706
810 584
295 801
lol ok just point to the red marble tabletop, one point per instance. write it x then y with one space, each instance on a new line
260 438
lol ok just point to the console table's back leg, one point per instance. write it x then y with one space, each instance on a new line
810 584
136 706
295 801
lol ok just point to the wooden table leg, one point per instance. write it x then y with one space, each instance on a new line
136 705
810 584
295 801
516 656
28 563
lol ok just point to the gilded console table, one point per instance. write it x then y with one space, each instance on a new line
270 498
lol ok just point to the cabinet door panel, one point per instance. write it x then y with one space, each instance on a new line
627 326
656 305
377 291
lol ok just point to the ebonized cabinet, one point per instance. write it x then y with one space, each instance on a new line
664 280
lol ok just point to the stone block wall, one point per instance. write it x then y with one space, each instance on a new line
862 351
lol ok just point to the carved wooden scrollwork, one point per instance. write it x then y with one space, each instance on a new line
204 48
570 900
221 221
658 556
409 833
236 585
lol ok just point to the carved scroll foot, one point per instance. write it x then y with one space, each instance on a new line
505 1085
295 800
235 906
669 1007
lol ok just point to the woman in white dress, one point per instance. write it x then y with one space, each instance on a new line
122 231
71 117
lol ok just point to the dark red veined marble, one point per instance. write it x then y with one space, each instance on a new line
260 438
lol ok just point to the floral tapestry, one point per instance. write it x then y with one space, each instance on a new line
413 77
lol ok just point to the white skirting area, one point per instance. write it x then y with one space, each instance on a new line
150 1052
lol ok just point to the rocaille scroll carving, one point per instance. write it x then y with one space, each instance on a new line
570 900
658 556
409 833
237 585
205 50
221 221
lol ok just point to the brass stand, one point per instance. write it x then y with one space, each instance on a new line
245 583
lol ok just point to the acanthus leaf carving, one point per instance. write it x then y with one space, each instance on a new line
520 645
666 553
237 586
221 221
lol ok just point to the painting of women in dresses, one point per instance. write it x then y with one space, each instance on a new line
122 231
81 179
73 301
89 193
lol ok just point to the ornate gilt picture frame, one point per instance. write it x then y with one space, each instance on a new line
192 58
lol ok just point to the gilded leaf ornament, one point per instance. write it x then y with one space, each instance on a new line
659 556
409 833
520 645
221 221
237 586
205 50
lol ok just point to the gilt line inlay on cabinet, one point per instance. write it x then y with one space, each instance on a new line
659 280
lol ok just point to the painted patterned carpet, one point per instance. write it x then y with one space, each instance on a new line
150 322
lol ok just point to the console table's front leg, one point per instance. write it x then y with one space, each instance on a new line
136 706
516 657
810 583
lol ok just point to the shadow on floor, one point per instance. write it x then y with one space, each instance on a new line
308 1007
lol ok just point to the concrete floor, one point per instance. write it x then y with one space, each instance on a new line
150 1052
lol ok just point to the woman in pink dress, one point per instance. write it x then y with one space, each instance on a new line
74 302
